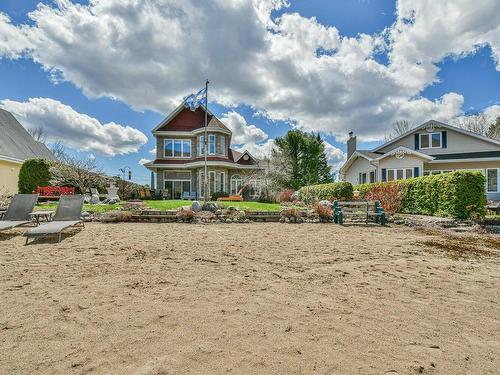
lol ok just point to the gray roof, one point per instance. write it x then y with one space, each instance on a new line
17 143
371 155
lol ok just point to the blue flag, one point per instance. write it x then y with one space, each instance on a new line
193 101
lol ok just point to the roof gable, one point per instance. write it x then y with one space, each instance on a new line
439 124
183 119
16 143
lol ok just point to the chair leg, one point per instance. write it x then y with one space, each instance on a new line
27 238
59 237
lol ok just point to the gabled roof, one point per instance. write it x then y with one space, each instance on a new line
403 150
213 121
16 143
441 125
368 155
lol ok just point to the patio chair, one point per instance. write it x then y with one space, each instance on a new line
68 214
18 212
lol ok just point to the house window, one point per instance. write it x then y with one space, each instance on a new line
176 184
222 181
399 174
236 184
372 176
432 173
492 180
223 144
201 143
178 148
430 140
211 144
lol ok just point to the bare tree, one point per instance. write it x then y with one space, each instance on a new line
81 173
398 127
59 151
38 134
474 123
494 129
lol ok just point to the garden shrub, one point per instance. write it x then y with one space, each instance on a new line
325 213
459 194
33 173
332 191
286 196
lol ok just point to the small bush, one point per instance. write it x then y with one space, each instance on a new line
115 216
185 214
325 213
33 173
291 213
390 196
331 192
286 196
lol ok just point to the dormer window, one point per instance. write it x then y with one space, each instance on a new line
431 140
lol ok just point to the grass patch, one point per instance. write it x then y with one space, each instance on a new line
168 205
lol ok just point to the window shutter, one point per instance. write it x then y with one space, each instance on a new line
417 142
444 139
359 179
384 174
416 172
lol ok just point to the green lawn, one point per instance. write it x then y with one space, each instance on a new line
169 205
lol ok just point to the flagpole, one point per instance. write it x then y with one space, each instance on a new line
205 196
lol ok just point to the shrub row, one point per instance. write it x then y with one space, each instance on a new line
459 194
331 191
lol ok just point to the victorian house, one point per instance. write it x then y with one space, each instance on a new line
180 158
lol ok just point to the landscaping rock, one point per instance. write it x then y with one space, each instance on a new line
196 206
209 206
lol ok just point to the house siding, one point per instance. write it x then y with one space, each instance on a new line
358 166
9 175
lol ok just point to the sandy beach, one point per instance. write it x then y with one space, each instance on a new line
250 299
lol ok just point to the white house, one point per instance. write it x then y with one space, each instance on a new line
431 148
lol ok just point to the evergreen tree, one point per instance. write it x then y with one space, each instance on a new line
300 160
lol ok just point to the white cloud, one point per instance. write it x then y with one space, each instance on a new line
336 157
258 150
143 161
242 132
290 68
153 151
77 130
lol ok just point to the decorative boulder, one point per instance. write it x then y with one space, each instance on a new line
209 206
94 199
296 195
196 206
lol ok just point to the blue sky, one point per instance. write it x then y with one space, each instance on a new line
470 73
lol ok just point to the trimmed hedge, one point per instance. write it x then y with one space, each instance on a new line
33 173
331 191
459 194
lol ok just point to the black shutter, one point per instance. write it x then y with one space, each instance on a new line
384 174
416 172
417 142
444 139
359 179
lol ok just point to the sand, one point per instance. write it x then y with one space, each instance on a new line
249 299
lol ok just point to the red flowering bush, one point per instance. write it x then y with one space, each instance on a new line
389 195
286 196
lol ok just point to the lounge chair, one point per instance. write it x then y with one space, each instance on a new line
68 214
18 212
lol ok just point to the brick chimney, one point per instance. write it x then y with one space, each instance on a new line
351 144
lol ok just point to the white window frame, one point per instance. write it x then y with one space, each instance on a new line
210 138
235 178
223 144
498 180
430 140
178 179
436 171
173 148
395 171
222 182
201 145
